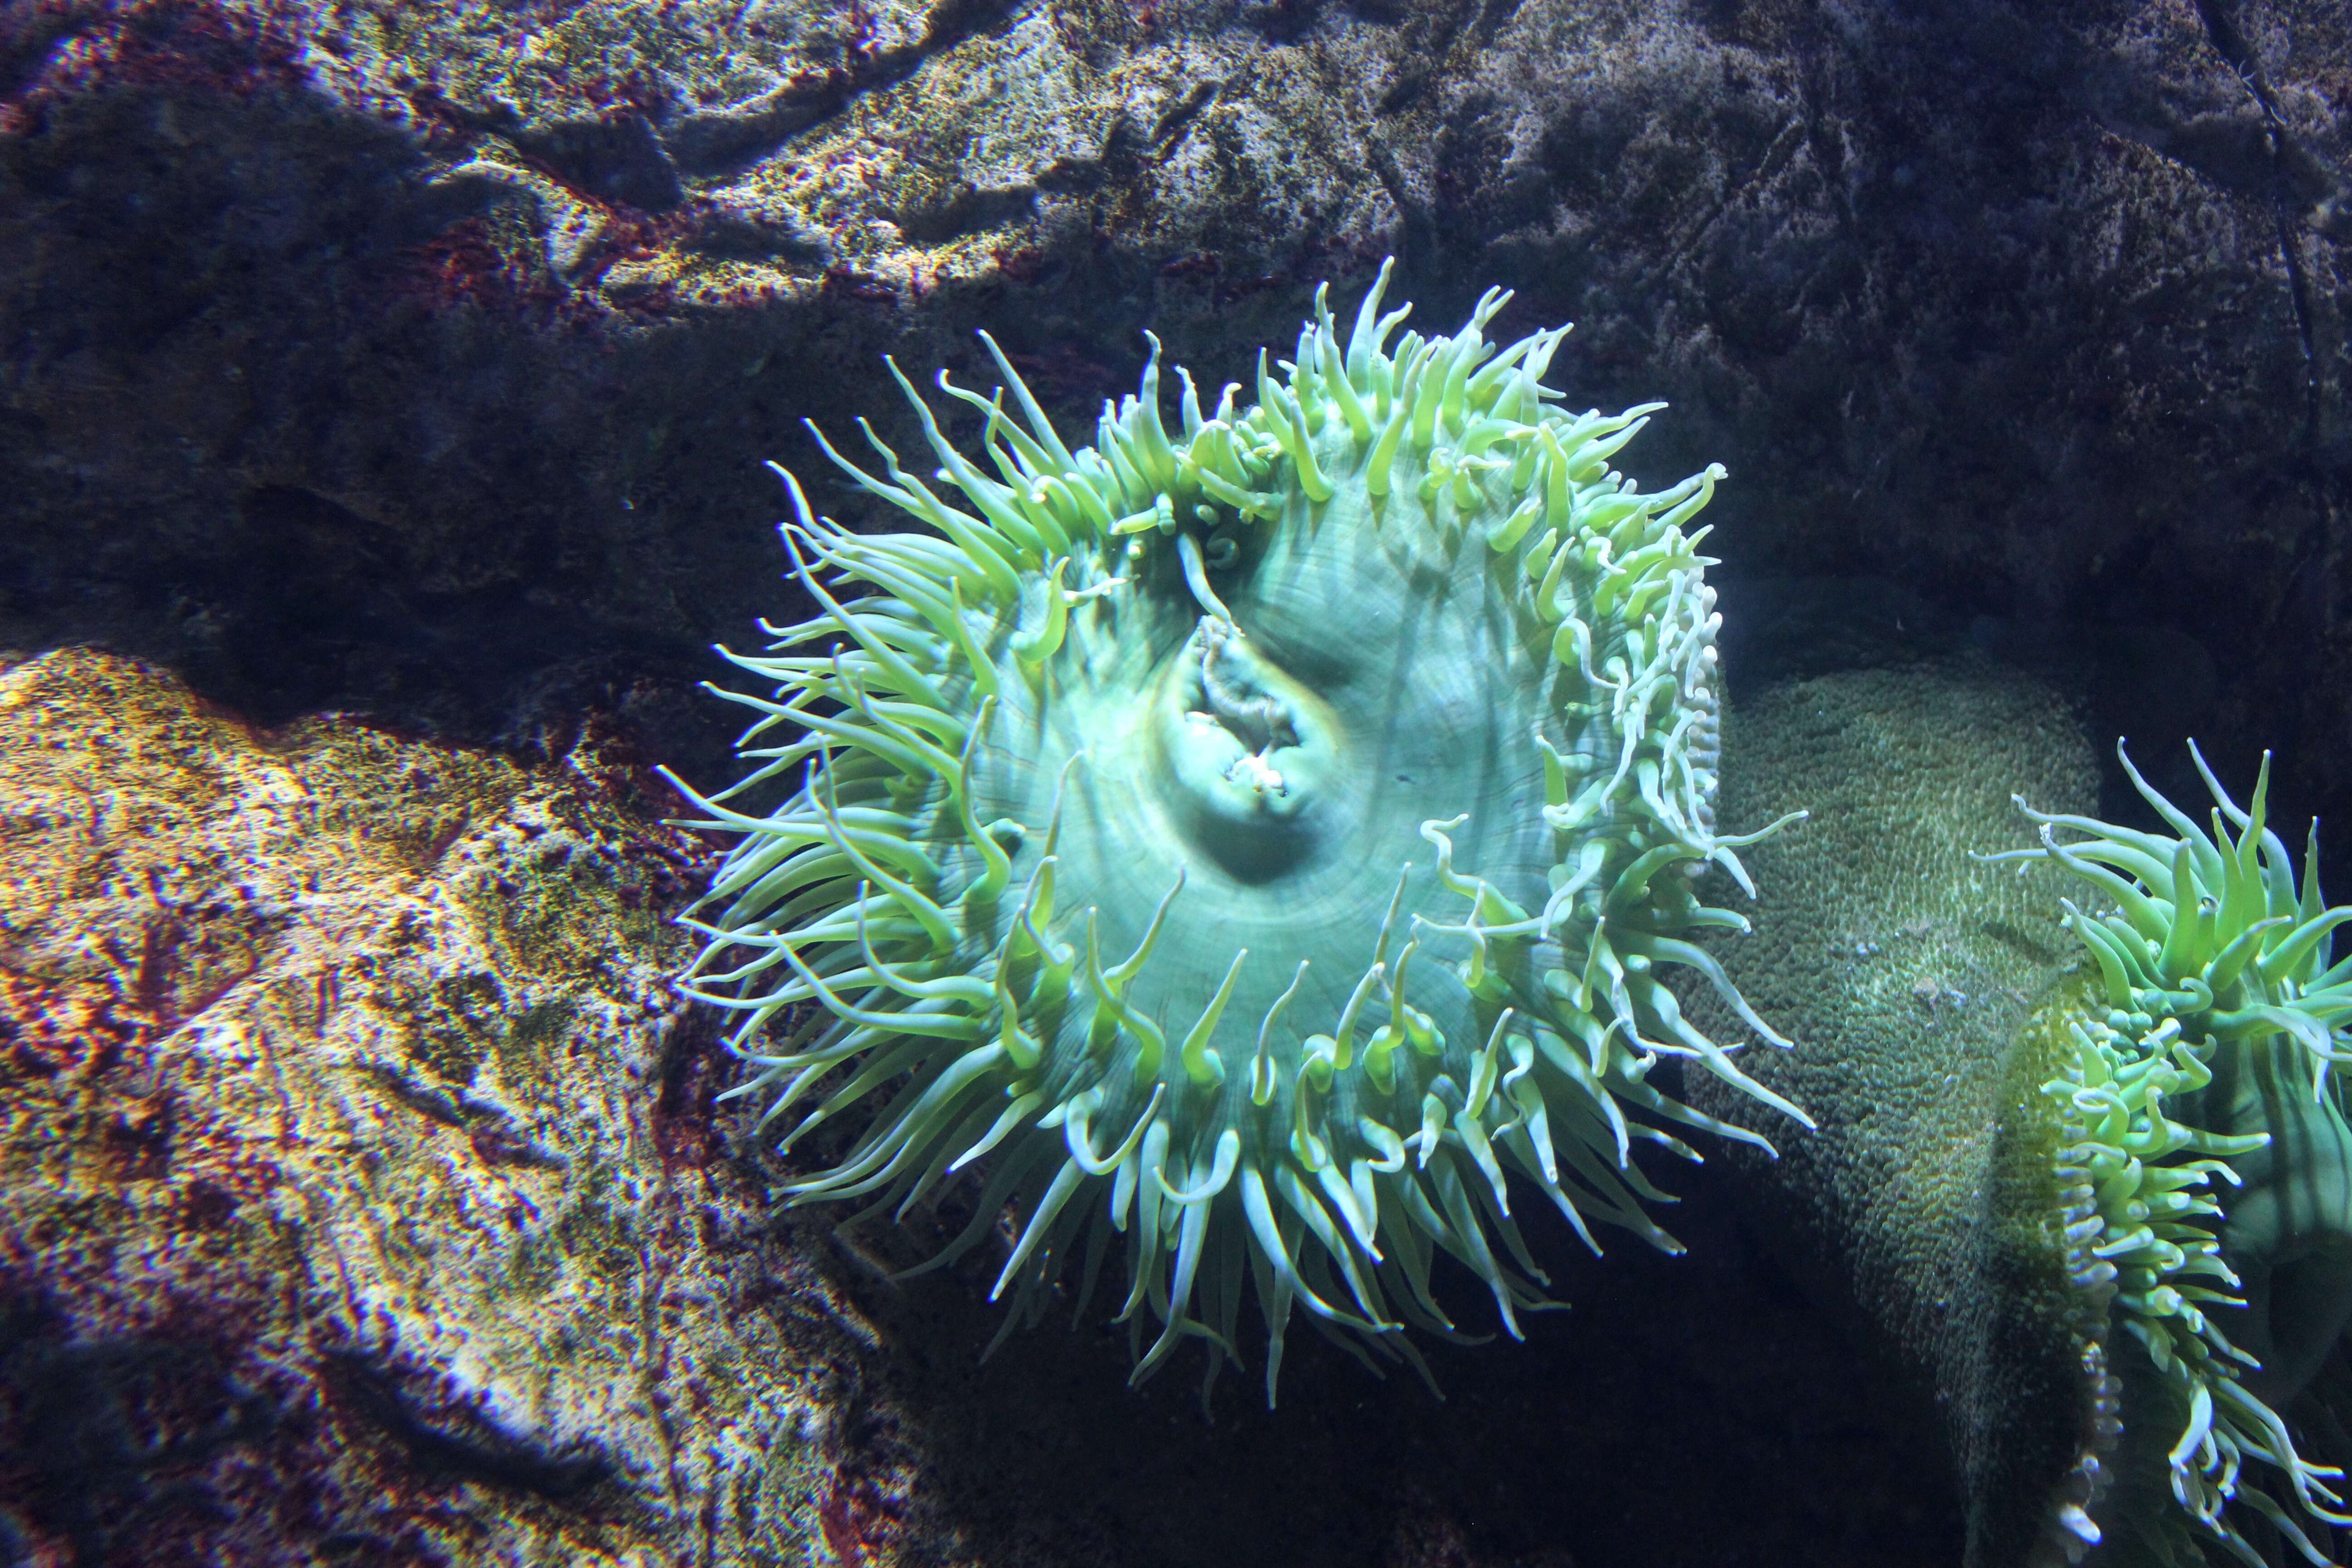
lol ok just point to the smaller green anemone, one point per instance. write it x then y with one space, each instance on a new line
1256 845
2213 1062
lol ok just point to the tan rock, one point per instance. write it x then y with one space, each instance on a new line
358 1181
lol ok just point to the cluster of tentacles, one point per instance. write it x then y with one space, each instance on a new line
2213 1062
1253 846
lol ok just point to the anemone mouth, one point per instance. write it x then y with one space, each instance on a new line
1257 842
1250 765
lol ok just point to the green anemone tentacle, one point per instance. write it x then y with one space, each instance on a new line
2208 1173
1262 839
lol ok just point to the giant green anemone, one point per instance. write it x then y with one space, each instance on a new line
1253 846
2207 1167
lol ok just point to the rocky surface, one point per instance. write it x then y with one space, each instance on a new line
363 1199
419 359
1914 977
361 1190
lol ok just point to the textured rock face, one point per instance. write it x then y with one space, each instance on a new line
1910 975
470 322
360 1183
361 1198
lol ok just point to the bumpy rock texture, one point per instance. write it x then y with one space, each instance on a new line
1910 974
360 1188
467 323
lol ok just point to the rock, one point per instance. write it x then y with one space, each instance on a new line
1912 978
474 322
363 1195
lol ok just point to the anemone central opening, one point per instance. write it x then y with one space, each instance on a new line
1252 755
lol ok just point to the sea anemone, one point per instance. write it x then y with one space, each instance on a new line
2205 1171
1261 840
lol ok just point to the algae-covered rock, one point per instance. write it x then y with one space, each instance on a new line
360 1197
1911 976
405 358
